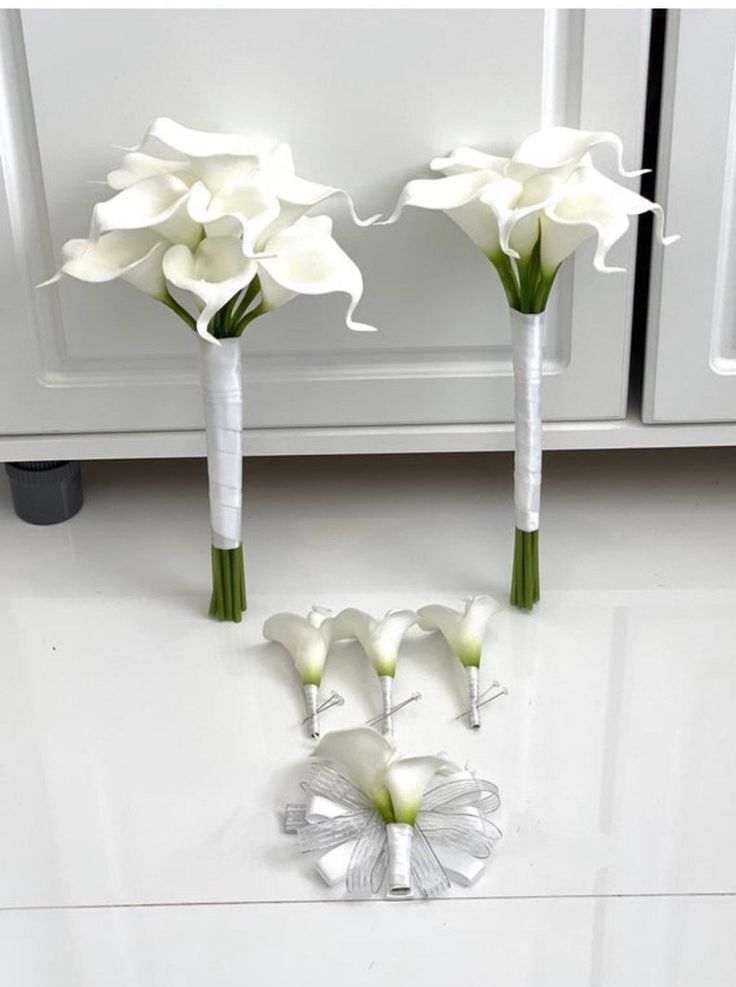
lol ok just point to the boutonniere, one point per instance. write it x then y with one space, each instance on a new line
308 640
464 632
381 640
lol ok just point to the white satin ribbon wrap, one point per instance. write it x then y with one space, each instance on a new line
222 390
473 675
451 840
399 838
311 697
387 723
527 332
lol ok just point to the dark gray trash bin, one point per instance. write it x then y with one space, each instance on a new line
45 492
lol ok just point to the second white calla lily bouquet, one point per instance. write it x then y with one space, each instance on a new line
528 213
221 218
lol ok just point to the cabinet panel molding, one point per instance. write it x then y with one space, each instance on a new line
691 345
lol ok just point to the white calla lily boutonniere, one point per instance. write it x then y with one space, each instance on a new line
464 633
381 640
528 213
221 218
408 824
308 640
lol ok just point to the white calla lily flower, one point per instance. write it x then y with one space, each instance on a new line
304 259
559 147
225 160
214 273
238 210
196 144
368 759
135 256
363 754
407 779
381 640
135 167
307 639
464 631
158 203
216 159
591 205
499 202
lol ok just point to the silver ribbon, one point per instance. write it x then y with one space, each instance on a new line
222 390
451 839
311 696
527 333
473 674
387 721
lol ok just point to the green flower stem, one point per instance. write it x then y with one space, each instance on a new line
382 801
508 276
525 573
170 302
228 600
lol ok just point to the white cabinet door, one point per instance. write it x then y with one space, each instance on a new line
691 354
366 98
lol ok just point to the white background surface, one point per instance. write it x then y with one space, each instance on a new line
149 751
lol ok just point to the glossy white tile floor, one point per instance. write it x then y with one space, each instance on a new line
146 751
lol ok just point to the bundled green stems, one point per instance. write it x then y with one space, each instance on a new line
228 600
525 572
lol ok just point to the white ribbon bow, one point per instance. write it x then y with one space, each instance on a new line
450 841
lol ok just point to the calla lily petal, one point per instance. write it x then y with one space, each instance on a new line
380 640
298 193
464 632
214 273
198 143
239 210
554 147
135 256
439 193
363 754
406 780
467 159
306 641
308 261
136 167
218 160
591 204
501 198
157 203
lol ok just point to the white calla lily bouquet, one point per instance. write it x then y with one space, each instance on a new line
222 219
528 213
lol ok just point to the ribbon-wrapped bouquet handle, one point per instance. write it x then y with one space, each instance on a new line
222 392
